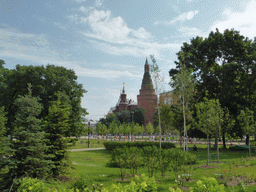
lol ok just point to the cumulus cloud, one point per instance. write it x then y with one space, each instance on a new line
243 21
190 31
98 3
184 16
36 48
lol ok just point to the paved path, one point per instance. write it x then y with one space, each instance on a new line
87 149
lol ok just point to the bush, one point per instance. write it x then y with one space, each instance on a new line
81 184
111 145
208 185
32 185
138 184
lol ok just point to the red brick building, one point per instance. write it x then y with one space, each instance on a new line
147 98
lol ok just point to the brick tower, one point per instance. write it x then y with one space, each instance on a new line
147 98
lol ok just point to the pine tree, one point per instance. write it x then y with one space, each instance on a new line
55 126
28 144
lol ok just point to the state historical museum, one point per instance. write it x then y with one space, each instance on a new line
147 98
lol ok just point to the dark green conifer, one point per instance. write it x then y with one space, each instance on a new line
55 126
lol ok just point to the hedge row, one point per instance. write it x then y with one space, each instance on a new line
110 145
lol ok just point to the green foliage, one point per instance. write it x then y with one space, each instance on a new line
55 125
209 116
124 116
27 147
150 158
46 82
113 128
120 158
109 119
208 185
32 185
82 184
138 116
113 145
149 129
3 139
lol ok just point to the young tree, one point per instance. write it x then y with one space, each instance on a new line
210 117
28 144
158 80
55 125
113 128
149 129
247 122
184 86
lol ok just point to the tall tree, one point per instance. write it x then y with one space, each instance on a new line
210 117
184 86
28 144
138 115
124 116
56 125
224 65
46 82
158 80
246 119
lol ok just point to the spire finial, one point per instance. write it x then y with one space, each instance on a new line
146 63
123 88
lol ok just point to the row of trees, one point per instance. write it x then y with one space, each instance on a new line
124 117
39 108
128 129
222 67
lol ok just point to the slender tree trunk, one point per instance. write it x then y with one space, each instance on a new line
247 139
185 131
249 145
208 151
224 141
218 154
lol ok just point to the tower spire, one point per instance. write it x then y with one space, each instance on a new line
123 89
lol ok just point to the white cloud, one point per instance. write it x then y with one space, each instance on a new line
98 3
190 31
184 16
85 9
243 21
36 48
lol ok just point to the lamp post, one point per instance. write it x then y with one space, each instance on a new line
89 124
132 126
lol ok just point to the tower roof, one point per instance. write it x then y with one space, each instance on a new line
147 78
123 92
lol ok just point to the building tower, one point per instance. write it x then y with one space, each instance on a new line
123 104
147 98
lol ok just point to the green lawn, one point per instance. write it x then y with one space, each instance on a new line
93 164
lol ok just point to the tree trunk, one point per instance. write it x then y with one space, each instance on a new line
224 141
208 150
249 146
247 139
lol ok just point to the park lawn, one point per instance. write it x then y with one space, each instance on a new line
83 143
93 164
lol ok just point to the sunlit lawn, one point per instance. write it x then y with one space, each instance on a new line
93 164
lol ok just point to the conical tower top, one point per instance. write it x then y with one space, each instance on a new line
123 89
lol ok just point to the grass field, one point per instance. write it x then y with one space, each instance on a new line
232 164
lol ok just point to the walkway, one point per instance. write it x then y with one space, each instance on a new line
87 149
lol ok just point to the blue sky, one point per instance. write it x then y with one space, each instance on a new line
106 41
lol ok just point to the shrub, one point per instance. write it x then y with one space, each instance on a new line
32 185
208 185
116 144
81 184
